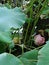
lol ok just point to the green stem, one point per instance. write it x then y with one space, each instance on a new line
36 19
10 50
18 36
29 21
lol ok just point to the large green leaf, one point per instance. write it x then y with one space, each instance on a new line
43 58
30 54
5 39
30 57
26 61
9 59
11 18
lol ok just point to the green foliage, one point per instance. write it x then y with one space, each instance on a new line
30 54
9 59
5 39
46 10
28 62
3 47
30 57
43 57
15 18
11 18
47 30
7 5
34 13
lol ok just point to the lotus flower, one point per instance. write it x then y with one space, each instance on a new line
39 40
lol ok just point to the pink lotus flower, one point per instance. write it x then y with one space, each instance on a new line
39 40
